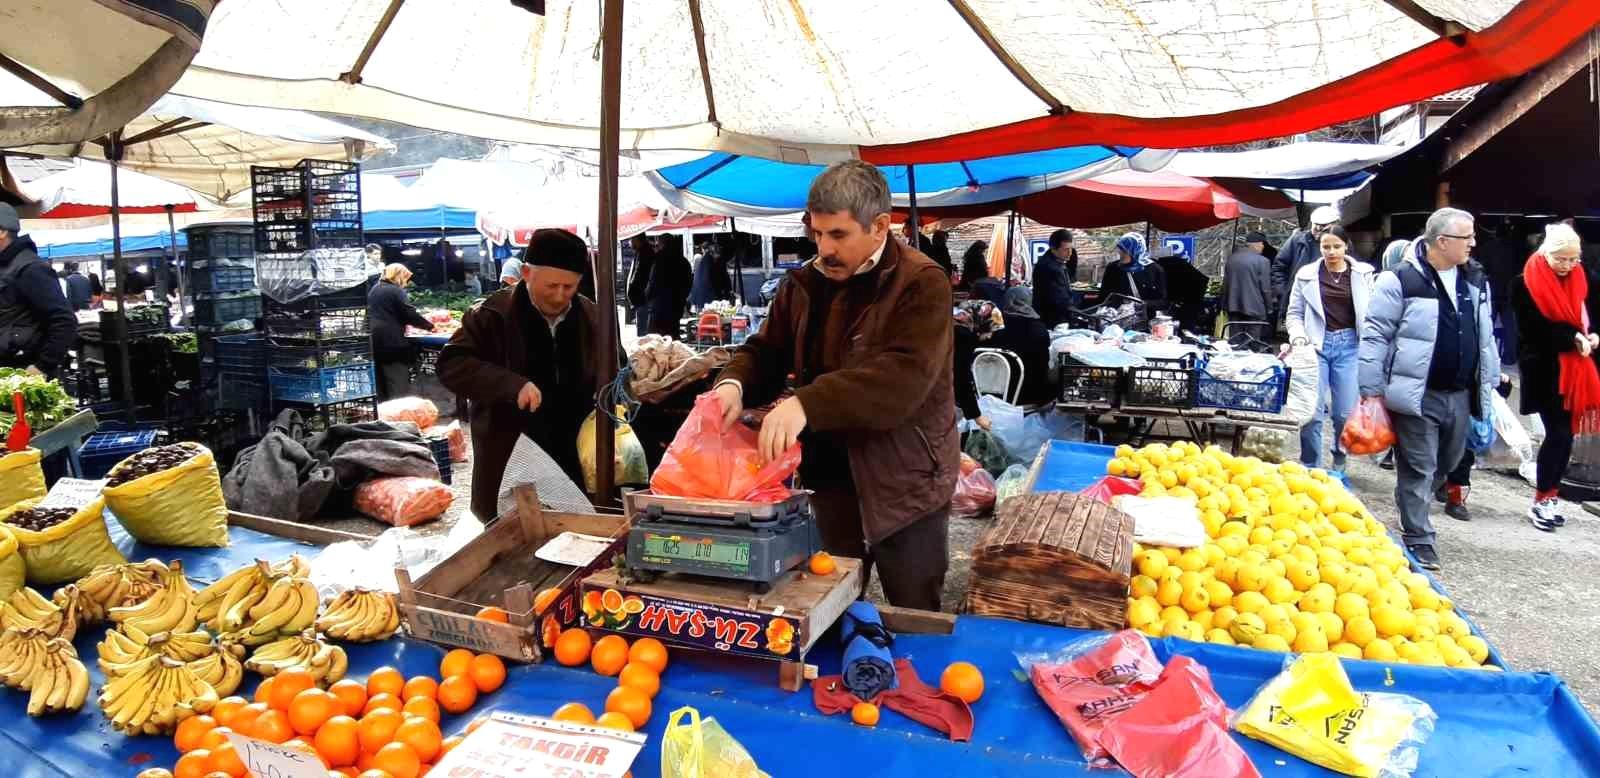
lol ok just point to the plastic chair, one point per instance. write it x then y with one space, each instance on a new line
997 372
709 328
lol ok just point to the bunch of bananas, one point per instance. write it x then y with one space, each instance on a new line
125 647
360 616
260 602
325 662
27 609
112 586
170 609
46 665
153 694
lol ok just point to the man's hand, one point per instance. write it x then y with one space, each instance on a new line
34 370
781 429
732 399
530 398
983 423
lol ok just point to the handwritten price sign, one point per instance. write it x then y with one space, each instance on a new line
270 760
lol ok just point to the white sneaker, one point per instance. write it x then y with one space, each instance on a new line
1543 515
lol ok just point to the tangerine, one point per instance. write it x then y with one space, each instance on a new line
422 735
488 672
225 708
609 654
640 677
338 740
382 700
456 662
545 599
650 653
457 694
385 680
822 563
272 726
193 764
964 680
419 685
192 732
614 720
244 719
575 712
352 696
215 737
224 759
398 760
423 707
865 714
572 648
286 684
629 702
494 614
310 708
376 729
304 745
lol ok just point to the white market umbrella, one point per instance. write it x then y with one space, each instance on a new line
85 190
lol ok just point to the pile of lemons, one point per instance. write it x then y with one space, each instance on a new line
1294 563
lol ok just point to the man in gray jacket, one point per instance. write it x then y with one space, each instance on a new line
1428 350
1247 288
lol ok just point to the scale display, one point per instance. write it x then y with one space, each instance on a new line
730 554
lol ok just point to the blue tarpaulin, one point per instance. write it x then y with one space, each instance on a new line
130 243
439 217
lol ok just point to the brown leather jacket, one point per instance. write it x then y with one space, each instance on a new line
486 362
893 401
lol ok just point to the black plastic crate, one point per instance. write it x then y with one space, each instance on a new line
1160 383
297 236
216 242
220 277
331 175
240 391
353 297
308 329
319 417
217 311
240 353
1087 385
332 353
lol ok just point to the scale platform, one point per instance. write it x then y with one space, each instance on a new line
751 542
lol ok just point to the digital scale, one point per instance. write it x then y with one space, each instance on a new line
734 540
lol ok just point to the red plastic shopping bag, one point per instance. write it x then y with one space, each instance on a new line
1110 486
1179 730
707 461
975 491
1368 430
1088 684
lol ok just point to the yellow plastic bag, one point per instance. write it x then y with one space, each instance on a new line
21 477
66 551
631 465
13 571
1377 734
703 749
179 506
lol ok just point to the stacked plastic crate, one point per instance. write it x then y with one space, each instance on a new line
317 349
221 277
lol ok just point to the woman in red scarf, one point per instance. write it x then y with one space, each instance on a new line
1557 309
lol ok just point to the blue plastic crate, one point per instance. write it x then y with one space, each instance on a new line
241 391
220 278
441 456
103 450
217 311
241 354
321 387
1258 397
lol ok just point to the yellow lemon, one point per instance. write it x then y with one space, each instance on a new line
1223 617
1280 591
1212 520
1213 553
1310 641
1346 650
1142 586
1306 622
1318 599
1251 578
1191 559
1171 554
1246 627
1117 466
1219 636
1169 592
1219 593
1124 450
1191 580
1260 536
1350 605
1173 612
1332 626
1195 600
1143 611
1270 642
1228 571
1475 648
1424 598
1283 628
1392 620
1273 612
1454 626
1277 567
1379 651
1360 630
1249 602
1235 529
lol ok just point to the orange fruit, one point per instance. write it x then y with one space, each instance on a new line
398 760
964 680
865 714
649 652
488 672
194 764
225 760
455 663
244 719
288 683
420 685
352 696
457 694
338 740
423 707
263 691
572 648
614 720
448 744
575 712
822 563
310 708
225 708
376 729
610 653
303 743
191 733
375 773
545 599
382 700
385 680
422 735
549 631
272 726
640 677
494 614
214 737
629 702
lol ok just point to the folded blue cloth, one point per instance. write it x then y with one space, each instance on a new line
868 665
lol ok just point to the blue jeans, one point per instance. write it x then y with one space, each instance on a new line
1336 366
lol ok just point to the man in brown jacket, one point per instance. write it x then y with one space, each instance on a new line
865 330
525 357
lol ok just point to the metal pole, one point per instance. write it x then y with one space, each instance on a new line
118 266
606 257
172 235
916 228
1011 228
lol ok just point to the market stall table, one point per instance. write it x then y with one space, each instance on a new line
1203 424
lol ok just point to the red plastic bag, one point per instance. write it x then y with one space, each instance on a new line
1368 430
1110 486
416 410
403 500
975 493
707 461
1180 728
1090 683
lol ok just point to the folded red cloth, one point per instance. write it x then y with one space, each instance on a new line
924 704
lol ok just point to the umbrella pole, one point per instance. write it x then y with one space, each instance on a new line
172 235
118 266
916 229
1011 228
606 258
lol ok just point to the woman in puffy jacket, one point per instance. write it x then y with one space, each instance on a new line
1327 306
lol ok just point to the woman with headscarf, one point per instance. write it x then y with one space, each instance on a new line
1118 277
975 280
976 323
1026 336
389 311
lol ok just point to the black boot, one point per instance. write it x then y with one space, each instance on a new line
1455 505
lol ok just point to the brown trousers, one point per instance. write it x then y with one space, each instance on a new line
911 563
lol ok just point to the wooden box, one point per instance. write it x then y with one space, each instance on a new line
498 568
1057 558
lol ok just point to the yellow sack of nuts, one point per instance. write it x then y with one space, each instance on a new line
65 551
13 572
21 477
179 506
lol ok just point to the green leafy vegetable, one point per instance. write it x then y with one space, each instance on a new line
48 405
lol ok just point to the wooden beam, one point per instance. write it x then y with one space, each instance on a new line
605 264
1440 27
705 68
1017 71
39 82
1535 87
157 131
103 113
353 75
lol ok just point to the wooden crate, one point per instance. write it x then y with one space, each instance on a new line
498 568
1057 558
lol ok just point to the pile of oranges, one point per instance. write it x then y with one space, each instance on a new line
636 667
387 727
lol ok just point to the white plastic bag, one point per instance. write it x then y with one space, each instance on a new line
371 564
1304 379
1512 448
1163 521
